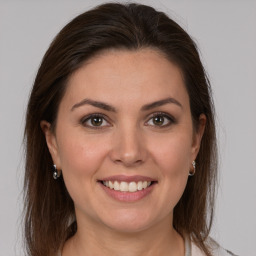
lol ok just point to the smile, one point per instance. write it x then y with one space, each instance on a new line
124 186
128 188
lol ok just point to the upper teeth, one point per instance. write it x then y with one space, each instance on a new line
127 186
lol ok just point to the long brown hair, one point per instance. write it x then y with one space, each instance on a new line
49 210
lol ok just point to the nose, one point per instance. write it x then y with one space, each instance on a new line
129 147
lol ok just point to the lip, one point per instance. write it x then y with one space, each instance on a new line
127 196
125 178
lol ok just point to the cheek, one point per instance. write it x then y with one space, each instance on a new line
174 164
173 155
81 159
81 156
173 161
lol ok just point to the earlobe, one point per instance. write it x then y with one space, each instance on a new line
198 135
51 142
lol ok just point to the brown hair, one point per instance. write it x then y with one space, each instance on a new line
49 210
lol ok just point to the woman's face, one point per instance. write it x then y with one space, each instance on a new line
125 122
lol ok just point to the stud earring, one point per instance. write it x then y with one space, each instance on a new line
193 171
55 175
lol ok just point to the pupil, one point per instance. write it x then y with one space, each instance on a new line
158 120
97 121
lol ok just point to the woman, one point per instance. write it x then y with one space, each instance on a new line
120 139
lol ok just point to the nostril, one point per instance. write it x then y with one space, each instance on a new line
127 152
128 162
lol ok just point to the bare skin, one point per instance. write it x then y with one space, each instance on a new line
114 243
125 113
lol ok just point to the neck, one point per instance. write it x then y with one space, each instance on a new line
161 239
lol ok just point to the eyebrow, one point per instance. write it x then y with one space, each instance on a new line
161 103
94 103
105 106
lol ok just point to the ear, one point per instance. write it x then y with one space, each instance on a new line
197 137
51 143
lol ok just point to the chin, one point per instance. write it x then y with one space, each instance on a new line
129 222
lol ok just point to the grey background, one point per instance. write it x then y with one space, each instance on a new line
226 34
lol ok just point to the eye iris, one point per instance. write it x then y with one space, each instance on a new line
96 121
158 120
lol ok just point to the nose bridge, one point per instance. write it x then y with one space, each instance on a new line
128 146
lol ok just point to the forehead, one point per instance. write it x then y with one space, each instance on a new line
122 75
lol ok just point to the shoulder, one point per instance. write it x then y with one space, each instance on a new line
217 250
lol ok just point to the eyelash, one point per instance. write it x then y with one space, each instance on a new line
170 119
90 118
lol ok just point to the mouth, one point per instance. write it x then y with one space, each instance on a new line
127 188
124 186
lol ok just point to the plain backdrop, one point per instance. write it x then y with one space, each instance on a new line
225 32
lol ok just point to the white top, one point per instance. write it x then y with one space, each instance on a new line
191 249
217 250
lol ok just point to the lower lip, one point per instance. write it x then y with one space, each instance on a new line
128 196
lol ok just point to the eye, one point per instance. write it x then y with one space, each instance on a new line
160 120
95 121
